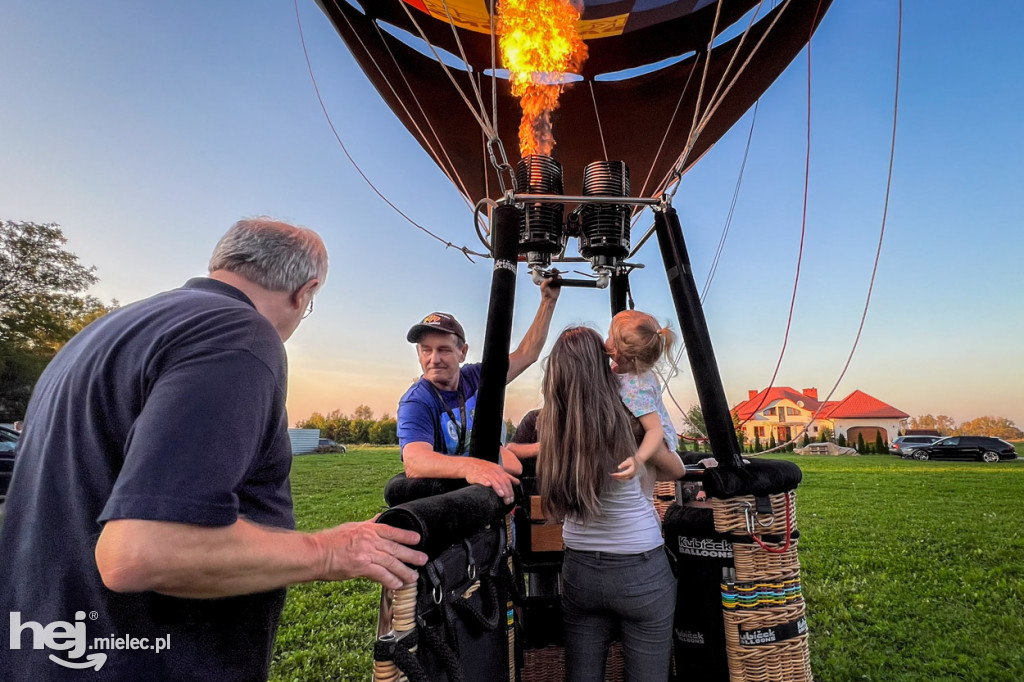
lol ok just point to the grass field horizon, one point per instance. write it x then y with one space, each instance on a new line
911 570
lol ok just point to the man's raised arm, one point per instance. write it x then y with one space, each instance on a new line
530 347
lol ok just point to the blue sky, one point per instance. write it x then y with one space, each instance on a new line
146 129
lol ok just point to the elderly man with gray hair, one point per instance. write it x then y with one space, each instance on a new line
149 521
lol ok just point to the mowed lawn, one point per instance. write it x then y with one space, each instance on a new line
911 570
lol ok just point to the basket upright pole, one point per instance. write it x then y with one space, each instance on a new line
488 421
694 328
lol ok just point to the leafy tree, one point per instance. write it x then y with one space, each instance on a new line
943 424
997 427
42 305
384 431
880 445
806 440
860 443
757 443
694 425
826 434
771 442
363 412
841 441
510 430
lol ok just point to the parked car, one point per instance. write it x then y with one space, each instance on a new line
8 445
328 445
982 448
902 444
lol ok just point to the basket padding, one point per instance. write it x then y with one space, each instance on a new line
758 478
449 518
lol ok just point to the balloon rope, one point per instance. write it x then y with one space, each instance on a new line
881 234
732 207
681 164
485 125
597 115
469 71
465 251
732 60
668 128
450 170
803 231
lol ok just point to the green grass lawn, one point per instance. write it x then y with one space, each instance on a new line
911 570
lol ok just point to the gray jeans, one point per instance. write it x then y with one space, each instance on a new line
633 595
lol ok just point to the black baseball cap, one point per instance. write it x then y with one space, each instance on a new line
436 322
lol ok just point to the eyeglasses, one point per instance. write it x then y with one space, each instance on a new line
309 310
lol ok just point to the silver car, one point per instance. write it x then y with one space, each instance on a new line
904 445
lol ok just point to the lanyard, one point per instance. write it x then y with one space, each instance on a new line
462 416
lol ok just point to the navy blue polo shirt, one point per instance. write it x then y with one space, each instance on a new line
168 409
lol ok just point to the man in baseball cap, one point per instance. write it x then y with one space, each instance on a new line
435 416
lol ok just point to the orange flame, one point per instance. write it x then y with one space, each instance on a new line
539 43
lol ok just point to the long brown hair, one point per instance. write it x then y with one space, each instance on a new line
585 431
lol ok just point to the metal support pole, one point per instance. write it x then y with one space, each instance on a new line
694 327
488 421
618 288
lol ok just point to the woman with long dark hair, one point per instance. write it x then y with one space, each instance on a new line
615 574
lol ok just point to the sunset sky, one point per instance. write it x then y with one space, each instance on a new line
146 129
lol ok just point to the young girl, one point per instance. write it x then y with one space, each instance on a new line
635 343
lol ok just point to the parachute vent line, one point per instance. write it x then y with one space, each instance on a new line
597 117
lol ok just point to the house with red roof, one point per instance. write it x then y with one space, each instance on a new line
784 412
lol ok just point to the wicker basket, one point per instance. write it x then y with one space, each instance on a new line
755 563
763 610
664 497
759 649
740 515
548 664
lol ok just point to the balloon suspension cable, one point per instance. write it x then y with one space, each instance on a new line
468 253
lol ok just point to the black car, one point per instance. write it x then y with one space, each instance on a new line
981 448
8 444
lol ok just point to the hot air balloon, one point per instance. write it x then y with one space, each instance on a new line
651 88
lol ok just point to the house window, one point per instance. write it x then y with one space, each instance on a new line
770 412
815 429
759 431
792 411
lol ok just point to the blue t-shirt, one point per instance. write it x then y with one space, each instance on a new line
169 409
423 418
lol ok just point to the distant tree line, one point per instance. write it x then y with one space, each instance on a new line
996 427
359 427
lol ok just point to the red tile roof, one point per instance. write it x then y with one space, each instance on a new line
764 398
857 405
860 405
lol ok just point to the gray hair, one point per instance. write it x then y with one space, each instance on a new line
272 254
